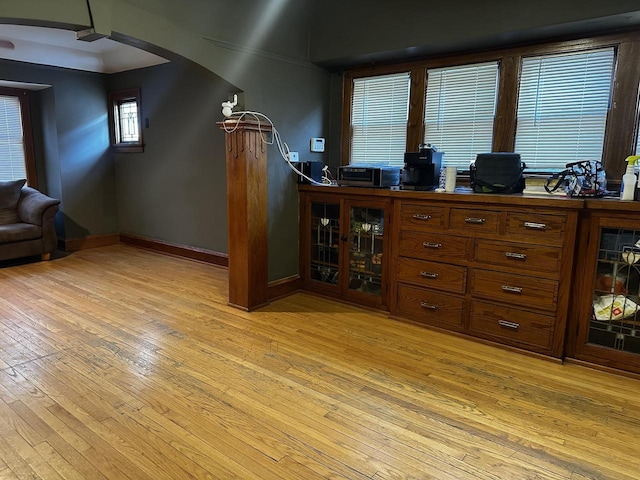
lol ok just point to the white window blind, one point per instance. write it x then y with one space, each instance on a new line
460 108
562 108
379 113
12 161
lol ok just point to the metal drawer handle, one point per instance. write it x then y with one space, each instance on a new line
475 220
511 325
535 226
417 216
516 256
510 289
429 306
428 275
431 245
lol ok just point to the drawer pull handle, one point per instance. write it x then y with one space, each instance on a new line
535 226
475 220
510 289
431 245
429 306
428 274
516 256
511 325
418 216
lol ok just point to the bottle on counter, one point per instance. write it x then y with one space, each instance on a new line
629 179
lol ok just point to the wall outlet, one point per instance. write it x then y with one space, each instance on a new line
293 157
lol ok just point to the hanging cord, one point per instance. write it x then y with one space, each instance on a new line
90 15
236 117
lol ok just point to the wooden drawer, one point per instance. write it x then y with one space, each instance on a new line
542 258
421 217
536 227
472 221
513 324
430 307
540 293
445 277
433 246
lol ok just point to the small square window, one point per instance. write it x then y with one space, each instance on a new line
124 120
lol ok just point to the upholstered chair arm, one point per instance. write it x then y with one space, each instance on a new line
34 206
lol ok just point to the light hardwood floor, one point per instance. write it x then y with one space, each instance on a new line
121 363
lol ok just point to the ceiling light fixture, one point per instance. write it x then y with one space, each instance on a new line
89 34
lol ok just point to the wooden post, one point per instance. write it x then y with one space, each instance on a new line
246 155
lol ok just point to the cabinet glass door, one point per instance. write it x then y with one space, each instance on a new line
325 242
366 228
615 318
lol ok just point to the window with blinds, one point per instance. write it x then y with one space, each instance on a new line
460 107
562 108
12 158
379 113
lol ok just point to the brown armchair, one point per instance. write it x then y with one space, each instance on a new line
26 222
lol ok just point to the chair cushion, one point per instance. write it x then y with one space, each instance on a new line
9 196
18 232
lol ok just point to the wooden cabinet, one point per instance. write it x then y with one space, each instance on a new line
494 267
606 307
344 251
490 268
557 277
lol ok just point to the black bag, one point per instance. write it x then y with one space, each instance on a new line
497 173
586 178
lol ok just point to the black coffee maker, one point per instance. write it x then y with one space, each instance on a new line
421 169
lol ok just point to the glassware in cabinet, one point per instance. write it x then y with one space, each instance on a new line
366 247
324 245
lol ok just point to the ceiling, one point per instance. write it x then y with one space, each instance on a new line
60 48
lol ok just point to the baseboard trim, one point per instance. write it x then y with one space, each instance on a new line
275 289
92 241
283 287
603 368
193 253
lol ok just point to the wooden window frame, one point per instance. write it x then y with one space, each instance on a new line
27 132
622 119
115 99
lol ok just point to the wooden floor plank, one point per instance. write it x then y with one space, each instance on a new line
18 467
120 363
26 452
60 464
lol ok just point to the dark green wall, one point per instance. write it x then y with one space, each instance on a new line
176 190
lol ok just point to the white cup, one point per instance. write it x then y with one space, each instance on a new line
450 179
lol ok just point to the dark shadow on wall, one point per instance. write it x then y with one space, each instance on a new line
78 230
